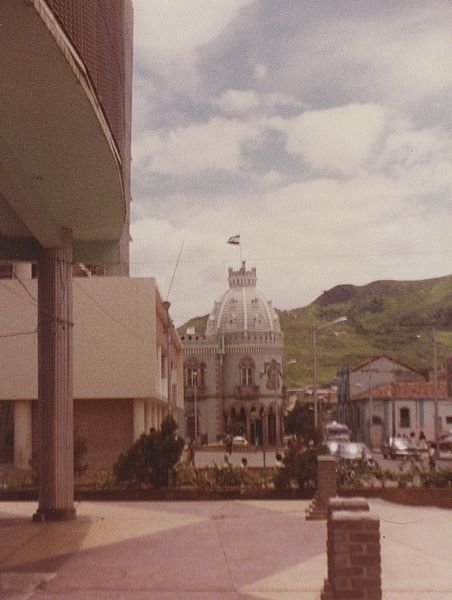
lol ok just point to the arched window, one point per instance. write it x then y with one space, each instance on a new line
247 368
195 373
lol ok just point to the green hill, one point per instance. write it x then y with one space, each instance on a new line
395 317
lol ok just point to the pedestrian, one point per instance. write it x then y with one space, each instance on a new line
191 452
432 456
228 443
422 441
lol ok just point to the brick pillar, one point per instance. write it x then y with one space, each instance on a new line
326 488
55 402
354 557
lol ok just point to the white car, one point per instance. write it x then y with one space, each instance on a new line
239 440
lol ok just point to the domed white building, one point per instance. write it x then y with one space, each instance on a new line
232 372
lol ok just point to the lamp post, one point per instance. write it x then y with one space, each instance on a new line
315 329
371 407
195 404
435 385
169 324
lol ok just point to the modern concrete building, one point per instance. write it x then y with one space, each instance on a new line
120 367
64 184
232 371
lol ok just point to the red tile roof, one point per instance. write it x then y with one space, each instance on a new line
406 389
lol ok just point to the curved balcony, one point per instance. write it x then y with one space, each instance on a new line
59 163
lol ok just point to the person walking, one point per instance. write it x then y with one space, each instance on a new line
432 456
191 449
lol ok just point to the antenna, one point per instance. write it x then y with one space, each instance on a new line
174 272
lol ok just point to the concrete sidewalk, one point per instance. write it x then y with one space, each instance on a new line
209 550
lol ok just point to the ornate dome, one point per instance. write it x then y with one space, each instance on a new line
243 308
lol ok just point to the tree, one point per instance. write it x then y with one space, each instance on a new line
151 458
300 422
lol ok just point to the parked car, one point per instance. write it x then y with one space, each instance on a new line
239 440
354 451
445 442
337 431
348 451
399 447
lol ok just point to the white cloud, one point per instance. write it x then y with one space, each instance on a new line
260 71
175 26
215 145
338 139
238 101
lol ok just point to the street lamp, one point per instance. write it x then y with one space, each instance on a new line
315 329
169 324
195 405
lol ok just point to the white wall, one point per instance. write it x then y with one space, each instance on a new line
114 339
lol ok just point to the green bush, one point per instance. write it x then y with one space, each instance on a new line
217 477
103 480
149 461
299 469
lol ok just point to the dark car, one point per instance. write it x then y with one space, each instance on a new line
399 447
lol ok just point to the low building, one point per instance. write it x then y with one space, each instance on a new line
352 382
120 366
402 408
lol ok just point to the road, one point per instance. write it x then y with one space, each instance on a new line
255 458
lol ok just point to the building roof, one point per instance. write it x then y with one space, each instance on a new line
243 308
372 359
406 389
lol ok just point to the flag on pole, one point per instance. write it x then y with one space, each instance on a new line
235 239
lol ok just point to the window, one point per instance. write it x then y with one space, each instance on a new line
195 373
449 420
247 371
192 377
404 417
247 376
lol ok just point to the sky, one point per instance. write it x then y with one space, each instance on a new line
320 131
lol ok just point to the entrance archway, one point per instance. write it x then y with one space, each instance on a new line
271 418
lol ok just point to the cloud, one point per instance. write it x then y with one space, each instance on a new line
237 101
338 140
214 145
260 71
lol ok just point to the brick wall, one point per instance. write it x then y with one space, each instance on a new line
354 556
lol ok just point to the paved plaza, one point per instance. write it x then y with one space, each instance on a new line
225 550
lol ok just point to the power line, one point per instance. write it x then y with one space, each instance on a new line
18 333
109 314
297 257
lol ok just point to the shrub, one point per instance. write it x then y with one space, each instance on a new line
103 480
80 452
299 468
151 458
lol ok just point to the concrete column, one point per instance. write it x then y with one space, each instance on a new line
22 434
148 416
55 402
138 418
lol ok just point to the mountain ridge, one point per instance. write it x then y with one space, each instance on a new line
389 316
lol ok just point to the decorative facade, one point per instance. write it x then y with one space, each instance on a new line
232 372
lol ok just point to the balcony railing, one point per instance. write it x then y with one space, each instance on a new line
247 391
